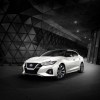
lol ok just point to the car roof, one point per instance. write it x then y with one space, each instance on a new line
59 50
63 49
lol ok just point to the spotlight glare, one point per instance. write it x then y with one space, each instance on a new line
75 22
78 31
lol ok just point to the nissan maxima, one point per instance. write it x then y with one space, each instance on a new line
54 63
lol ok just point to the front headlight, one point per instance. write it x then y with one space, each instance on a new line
48 63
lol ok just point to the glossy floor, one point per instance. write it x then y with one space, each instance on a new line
75 86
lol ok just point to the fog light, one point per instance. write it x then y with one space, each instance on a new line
50 71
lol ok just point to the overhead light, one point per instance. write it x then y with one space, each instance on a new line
75 22
77 30
89 39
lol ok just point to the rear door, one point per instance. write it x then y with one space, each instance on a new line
75 61
70 63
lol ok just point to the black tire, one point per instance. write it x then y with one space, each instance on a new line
61 71
81 68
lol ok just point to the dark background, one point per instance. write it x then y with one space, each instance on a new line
29 27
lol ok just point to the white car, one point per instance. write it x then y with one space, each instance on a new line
54 63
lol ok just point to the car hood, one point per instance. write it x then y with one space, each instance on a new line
42 59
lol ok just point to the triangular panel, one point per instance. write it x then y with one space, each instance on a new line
22 47
13 52
2 29
8 55
17 19
32 37
5 25
17 44
18 55
28 21
27 45
27 39
6 19
7 44
22 30
17 26
11 35
35 47
31 53
39 25
31 47
6 38
11 29
27 55
27 27
35 20
12 46
32 31
35 39
22 36
23 53
4 49
17 38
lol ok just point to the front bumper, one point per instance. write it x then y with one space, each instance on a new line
39 71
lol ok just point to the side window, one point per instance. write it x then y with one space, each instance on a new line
67 54
70 54
74 54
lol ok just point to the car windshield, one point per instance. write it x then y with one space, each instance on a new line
55 53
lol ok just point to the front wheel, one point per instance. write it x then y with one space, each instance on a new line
61 71
81 68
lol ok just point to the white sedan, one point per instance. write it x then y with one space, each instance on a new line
54 63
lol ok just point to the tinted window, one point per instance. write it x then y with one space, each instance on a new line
71 53
68 54
60 53
74 53
55 53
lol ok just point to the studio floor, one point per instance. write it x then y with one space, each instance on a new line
75 86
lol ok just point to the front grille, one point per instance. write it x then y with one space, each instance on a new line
31 65
35 69
31 71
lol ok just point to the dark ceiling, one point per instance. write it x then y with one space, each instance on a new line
78 16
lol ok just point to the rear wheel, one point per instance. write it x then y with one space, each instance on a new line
81 68
61 71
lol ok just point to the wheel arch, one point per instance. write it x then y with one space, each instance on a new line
63 64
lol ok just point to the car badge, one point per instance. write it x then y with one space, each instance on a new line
31 65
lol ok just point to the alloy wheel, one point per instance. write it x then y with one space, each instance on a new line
61 71
81 68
